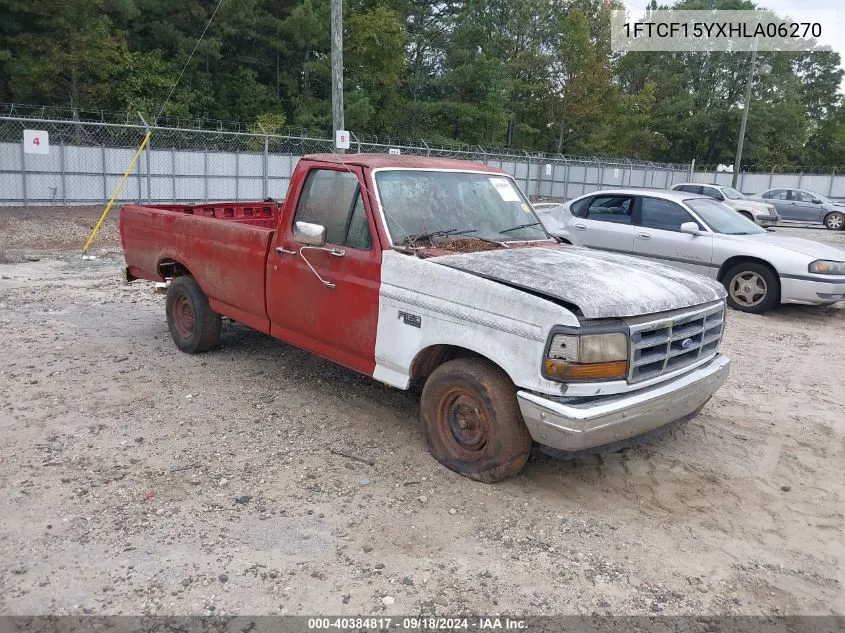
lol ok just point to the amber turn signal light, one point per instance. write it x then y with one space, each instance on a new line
559 370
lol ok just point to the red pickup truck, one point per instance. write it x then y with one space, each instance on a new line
434 272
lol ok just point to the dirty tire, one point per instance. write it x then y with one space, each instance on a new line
835 221
193 325
752 287
472 421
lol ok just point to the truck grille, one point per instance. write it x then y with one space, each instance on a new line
672 342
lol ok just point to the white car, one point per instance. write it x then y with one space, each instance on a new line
543 207
758 268
761 212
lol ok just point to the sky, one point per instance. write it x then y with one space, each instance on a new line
636 9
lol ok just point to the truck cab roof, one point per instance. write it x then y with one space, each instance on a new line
382 161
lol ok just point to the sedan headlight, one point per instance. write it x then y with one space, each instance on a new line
585 357
771 209
825 267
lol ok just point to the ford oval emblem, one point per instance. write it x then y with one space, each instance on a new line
686 343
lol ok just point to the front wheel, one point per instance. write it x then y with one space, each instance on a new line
835 221
752 287
472 420
193 325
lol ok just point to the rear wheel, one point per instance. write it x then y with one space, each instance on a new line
752 287
835 221
472 420
193 325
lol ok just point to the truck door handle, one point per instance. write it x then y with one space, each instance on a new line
580 226
281 250
644 236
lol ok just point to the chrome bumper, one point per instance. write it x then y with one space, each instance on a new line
610 419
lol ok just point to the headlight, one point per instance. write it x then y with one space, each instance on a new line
825 267
771 209
586 357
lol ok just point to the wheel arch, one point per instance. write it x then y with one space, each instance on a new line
431 357
739 259
168 268
830 213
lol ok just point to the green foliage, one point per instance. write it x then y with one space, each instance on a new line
526 74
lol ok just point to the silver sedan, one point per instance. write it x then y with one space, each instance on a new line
758 267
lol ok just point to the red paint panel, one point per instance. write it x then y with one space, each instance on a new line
337 323
226 257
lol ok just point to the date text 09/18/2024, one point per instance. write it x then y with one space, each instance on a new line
417 623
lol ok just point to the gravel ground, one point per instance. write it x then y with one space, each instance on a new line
139 480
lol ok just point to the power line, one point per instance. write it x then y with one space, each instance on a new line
190 57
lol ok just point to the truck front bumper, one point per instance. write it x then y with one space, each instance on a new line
584 424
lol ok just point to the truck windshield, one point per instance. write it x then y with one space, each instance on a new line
438 204
721 218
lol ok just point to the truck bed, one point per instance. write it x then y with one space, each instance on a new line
261 214
223 245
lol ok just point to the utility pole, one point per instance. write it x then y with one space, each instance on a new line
751 71
337 67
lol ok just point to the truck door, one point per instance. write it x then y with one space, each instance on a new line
325 299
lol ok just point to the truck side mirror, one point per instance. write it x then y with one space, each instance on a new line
309 234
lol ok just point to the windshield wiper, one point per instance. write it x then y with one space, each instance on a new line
441 233
520 226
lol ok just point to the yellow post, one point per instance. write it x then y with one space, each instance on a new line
116 192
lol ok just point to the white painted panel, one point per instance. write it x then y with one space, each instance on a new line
221 164
10 156
161 162
11 188
221 188
251 165
83 187
85 159
250 189
190 190
190 163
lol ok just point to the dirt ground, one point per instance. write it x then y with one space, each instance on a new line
139 480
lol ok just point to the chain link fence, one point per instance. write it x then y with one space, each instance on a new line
85 159
828 181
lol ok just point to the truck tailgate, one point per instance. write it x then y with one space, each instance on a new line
227 258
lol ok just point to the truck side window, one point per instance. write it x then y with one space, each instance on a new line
358 234
333 198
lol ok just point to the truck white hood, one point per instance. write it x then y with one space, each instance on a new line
816 250
600 284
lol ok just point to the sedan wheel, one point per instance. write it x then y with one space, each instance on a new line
748 289
751 287
835 221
